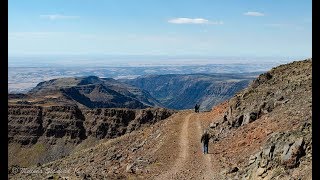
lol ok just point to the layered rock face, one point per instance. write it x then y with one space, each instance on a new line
110 123
24 124
39 134
63 121
28 124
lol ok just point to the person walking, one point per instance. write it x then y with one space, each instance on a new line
205 140
196 108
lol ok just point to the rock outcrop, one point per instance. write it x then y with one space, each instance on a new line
281 154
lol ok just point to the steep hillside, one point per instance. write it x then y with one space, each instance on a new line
91 92
178 91
269 125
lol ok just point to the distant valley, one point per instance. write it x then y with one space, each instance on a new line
173 91
206 85
178 91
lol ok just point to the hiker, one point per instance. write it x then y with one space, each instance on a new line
196 108
205 140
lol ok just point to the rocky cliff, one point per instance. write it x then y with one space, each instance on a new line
28 124
60 126
110 123
24 124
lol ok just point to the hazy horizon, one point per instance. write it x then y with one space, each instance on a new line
136 60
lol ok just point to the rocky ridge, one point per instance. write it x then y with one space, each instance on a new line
90 92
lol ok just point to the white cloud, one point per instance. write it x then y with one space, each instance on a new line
193 21
253 13
57 16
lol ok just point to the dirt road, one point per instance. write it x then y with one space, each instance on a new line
190 162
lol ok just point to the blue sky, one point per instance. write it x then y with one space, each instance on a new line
161 27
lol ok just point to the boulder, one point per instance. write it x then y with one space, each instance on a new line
232 170
260 171
249 117
292 153
130 168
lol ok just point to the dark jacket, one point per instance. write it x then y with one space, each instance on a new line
205 138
